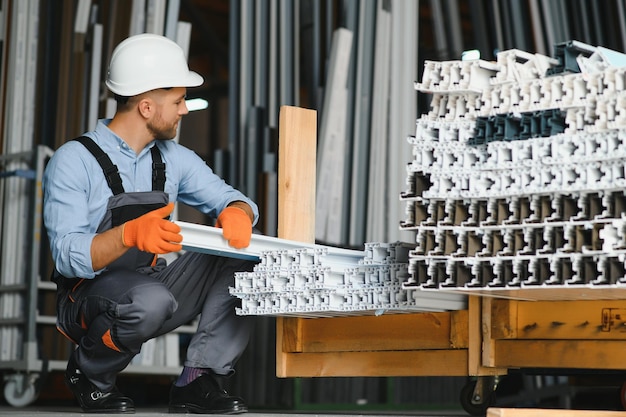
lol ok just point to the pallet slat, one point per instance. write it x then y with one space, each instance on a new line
537 412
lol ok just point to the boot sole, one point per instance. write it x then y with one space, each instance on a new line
194 409
109 410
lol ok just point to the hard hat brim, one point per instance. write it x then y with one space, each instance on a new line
193 79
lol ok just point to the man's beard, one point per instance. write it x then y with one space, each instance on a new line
159 129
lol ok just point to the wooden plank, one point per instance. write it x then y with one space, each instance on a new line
292 334
475 335
476 339
281 356
296 193
582 354
504 319
592 320
393 363
459 329
538 412
376 333
488 342
296 174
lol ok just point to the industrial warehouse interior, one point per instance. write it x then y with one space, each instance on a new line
462 244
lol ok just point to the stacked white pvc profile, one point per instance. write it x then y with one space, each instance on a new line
298 279
505 218
317 283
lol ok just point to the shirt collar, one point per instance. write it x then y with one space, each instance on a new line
103 126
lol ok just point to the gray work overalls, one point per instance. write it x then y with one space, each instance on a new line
135 299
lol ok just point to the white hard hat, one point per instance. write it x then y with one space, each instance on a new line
146 62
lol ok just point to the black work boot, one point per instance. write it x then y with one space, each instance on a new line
204 396
91 398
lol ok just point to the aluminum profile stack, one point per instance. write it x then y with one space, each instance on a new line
323 281
518 176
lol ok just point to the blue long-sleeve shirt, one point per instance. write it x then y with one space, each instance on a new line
76 192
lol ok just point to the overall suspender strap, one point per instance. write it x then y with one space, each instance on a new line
111 172
158 170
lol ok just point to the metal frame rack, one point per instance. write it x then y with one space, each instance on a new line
22 172
24 294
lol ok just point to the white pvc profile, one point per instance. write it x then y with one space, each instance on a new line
208 239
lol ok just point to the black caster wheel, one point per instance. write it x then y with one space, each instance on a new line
474 402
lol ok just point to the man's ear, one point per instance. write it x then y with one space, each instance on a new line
145 107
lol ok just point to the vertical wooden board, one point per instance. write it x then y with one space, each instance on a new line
459 330
474 335
503 319
476 367
297 144
281 356
292 334
487 345
296 174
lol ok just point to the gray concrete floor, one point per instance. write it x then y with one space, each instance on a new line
35 411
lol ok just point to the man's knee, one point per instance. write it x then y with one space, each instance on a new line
151 306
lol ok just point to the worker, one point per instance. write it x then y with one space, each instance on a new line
108 196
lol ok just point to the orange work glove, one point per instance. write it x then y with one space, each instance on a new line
152 232
236 227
